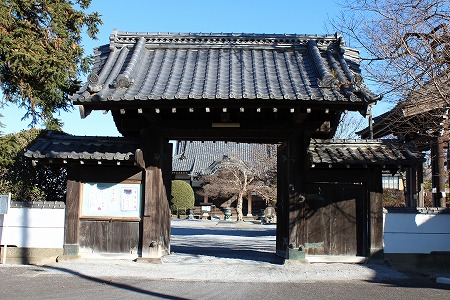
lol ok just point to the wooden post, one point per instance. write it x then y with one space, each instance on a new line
438 172
412 185
155 233
297 149
375 214
420 201
416 181
72 224
291 167
249 204
282 201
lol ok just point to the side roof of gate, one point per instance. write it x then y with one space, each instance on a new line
193 156
156 66
61 148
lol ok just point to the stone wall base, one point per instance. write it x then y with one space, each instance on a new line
417 261
30 256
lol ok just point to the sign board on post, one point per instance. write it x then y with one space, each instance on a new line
111 200
5 202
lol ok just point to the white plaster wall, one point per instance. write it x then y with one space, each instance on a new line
33 227
403 232
416 233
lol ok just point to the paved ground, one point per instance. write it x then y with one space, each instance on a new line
214 261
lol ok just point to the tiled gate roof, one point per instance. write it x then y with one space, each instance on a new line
155 66
64 148
362 152
193 156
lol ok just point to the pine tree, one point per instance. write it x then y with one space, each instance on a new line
40 53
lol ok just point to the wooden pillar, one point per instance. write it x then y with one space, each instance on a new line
72 222
155 233
375 228
249 204
290 204
438 172
298 146
282 201
420 196
291 170
411 186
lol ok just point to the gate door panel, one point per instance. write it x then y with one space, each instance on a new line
334 219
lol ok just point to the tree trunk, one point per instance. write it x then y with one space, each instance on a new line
240 215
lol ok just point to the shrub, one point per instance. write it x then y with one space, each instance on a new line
393 198
182 195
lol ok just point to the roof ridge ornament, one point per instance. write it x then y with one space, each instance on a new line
326 79
125 79
294 39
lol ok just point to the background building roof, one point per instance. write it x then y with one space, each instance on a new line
193 157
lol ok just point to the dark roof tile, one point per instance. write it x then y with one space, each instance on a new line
194 156
63 147
362 152
150 66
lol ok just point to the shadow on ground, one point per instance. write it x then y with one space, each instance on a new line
227 252
256 244
118 285
263 231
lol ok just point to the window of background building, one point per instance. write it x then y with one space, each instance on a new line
391 182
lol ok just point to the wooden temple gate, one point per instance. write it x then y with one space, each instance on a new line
285 89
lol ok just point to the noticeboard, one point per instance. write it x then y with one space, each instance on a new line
5 201
111 200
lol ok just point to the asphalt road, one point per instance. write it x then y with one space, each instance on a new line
33 283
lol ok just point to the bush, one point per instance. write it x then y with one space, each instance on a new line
393 198
182 195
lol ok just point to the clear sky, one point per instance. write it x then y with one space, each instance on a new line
248 16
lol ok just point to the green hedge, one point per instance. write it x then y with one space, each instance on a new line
182 195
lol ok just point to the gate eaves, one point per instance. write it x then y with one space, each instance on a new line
208 85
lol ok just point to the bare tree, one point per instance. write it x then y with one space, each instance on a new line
264 167
228 178
404 43
233 179
405 46
349 124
